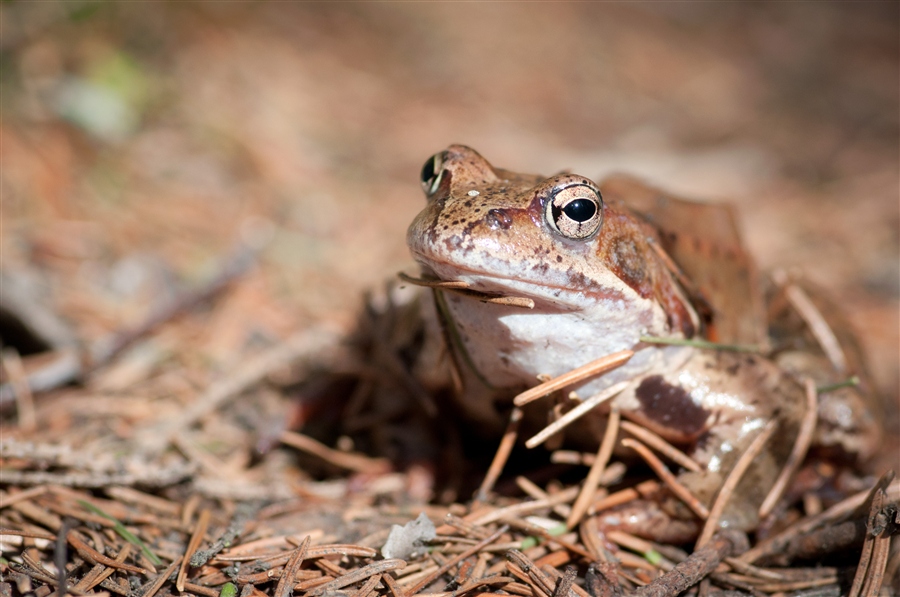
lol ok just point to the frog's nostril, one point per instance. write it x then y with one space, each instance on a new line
498 219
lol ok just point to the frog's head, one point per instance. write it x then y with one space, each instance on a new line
553 240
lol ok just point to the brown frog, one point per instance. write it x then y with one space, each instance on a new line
541 275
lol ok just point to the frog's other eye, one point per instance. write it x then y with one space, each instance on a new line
575 212
432 172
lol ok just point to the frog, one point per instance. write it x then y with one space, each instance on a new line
535 276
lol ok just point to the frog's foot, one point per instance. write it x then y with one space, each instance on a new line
648 519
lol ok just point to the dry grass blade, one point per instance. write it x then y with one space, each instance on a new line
737 472
668 478
501 456
193 545
798 452
592 481
596 367
660 445
345 460
576 413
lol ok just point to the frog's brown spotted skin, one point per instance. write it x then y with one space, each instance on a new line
598 263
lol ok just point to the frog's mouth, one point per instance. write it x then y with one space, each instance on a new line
464 289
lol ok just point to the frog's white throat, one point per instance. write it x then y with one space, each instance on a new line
509 346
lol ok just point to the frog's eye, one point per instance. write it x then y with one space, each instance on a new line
431 173
575 212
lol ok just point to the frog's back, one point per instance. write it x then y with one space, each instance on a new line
703 241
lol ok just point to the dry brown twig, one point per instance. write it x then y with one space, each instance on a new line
592 369
592 480
573 415
668 478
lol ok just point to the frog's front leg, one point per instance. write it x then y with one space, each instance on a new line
713 407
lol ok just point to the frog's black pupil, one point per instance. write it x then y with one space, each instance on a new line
580 210
428 170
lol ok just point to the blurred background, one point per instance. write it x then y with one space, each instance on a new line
140 141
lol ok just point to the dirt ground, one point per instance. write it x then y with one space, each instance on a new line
141 142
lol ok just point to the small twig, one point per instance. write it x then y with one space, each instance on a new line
817 324
501 456
366 589
533 574
156 584
660 445
243 514
442 284
870 571
624 496
736 474
641 546
454 561
201 590
92 555
59 558
564 586
100 573
576 413
592 480
549 536
463 289
592 369
668 478
285 584
531 489
521 508
798 452
196 539
373 569
697 566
